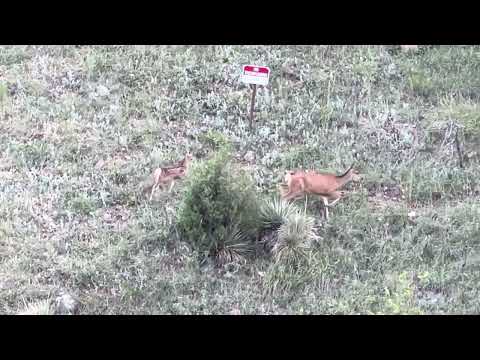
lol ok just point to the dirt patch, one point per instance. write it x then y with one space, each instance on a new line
387 191
379 202
116 216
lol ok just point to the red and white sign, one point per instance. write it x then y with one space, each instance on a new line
253 74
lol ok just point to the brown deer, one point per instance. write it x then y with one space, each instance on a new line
168 175
322 184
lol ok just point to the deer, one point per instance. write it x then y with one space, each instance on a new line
299 183
168 175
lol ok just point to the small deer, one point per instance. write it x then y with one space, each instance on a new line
323 184
168 175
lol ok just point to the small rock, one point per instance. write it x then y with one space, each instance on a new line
99 164
406 48
412 214
249 156
65 304
103 90
471 154
235 312
61 246
290 73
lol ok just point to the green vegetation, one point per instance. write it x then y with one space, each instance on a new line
218 212
83 127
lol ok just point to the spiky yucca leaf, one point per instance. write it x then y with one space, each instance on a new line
226 256
294 237
275 212
38 308
235 246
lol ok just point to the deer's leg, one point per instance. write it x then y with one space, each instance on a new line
284 190
325 202
157 176
288 197
333 202
171 185
154 187
337 195
294 195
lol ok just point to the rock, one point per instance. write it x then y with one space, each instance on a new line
290 73
61 247
235 312
102 90
406 48
249 156
65 304
107 217
100 163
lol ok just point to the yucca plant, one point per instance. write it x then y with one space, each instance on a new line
42 307
292 254
294 237
275 212
235 247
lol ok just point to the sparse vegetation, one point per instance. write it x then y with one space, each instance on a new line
82 127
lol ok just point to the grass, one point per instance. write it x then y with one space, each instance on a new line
83 128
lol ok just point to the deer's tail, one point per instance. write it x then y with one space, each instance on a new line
346 172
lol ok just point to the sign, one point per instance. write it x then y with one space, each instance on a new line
253 74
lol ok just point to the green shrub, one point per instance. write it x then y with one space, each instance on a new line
214 140
465 113
219 208
421 83
82 204
400 297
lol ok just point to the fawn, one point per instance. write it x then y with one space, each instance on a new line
165 175
325 185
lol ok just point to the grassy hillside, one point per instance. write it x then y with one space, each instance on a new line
83 127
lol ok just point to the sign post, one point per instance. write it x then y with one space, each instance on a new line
255 75
252 104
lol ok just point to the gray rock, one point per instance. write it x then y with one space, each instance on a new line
66 304
103 90
249 156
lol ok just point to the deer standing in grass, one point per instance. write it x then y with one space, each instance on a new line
322 184
168 175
